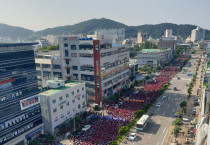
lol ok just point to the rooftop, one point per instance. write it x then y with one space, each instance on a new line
68 85
152 50
16 44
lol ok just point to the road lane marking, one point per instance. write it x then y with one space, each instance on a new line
164 130
164 113
174 110
158 121
164 138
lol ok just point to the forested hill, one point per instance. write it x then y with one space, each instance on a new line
14 32
88 27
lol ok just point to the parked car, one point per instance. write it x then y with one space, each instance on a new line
175 88
194 111
132 136
86 127
158 105
150 113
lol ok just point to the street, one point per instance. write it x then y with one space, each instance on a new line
159 129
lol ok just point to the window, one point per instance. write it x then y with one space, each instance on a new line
79 106
67 104
37 64
67 61
83 103
54 110
73 101
68 70
66 53
83 88
75 67
56 66
72 93
45 65
77 90
75 76
78 98
60 98
83 96
73 55
67 95
54 101
66 45
61 107
73 47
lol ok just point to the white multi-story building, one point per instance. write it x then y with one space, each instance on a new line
48 65
112 34
52 39
103 66
197 34
153 57
141 37
168 33
61 102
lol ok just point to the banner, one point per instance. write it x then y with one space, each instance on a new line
28 102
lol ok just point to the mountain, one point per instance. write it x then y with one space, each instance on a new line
14 32
88 27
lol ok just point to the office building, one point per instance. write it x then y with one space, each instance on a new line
20 112
141 37
61 102
103 65
48 66
197 34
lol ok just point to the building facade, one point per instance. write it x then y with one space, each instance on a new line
153 57
168 33
197 34
20 112
48 65
61 102
141 37
103 66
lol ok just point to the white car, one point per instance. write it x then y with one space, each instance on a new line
86 127
158 105
132 136
164 97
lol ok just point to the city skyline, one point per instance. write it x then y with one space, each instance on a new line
38 15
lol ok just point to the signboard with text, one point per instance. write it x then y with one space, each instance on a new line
29 102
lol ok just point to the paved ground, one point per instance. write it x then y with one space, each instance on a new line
158 130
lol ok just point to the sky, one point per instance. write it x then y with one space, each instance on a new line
41 14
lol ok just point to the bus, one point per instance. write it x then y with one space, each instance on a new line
142 123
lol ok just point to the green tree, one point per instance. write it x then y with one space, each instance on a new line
97 108
183 104
177 122
78 120
123 130
176 130
138 113
50 138
34 142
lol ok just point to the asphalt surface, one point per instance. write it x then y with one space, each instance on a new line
158 130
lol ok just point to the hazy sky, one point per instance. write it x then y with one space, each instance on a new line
41 14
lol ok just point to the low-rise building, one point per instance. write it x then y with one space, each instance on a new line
153 57
61 102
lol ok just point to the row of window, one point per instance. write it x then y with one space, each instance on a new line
55 66
67 104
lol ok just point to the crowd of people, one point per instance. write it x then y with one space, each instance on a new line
104 130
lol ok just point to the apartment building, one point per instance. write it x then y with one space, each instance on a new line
197 34
20 112
61 102
103 65
48 66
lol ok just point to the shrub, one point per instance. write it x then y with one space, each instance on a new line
138 113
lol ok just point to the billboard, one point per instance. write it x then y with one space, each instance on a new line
28 102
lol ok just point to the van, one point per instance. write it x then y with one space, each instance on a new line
185 120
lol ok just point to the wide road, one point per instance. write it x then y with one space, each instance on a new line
159 129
